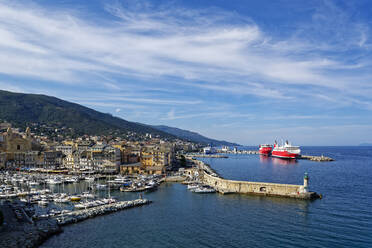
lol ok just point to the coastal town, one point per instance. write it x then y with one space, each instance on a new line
35 166
37 172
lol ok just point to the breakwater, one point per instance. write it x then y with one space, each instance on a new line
206 156
80 215
316 158
225 186
209 177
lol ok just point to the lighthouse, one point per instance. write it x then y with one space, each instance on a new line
306 183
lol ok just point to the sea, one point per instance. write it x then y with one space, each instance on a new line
180 218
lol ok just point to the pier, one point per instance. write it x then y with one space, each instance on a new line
81 215
206 156
316 158
224 186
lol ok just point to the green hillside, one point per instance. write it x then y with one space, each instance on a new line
193 136
23 109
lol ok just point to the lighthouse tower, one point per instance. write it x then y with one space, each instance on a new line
306 183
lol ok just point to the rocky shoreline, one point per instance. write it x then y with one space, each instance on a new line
23 233
26 233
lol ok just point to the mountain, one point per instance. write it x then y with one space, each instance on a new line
23 109
365 144
193 136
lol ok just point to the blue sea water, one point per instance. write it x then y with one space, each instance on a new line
179 218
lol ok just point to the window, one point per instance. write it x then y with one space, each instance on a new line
18 147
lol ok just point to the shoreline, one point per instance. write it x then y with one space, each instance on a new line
25 232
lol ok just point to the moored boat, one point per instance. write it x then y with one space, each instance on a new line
265 149
75 198
286 151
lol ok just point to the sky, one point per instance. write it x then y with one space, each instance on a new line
244 71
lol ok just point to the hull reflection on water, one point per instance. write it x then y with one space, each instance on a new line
264 159
282 161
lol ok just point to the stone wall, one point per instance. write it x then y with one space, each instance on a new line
245 187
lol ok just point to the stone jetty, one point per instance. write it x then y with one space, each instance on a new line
80 215
316 158
198 155
224 186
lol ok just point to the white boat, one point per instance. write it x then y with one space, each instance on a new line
87 195
101 186
54 181
90 179
204 189
192 186
62 199
71 180
80 205
43 203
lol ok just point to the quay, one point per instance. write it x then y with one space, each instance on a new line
316 158
206 156
81 215
224 186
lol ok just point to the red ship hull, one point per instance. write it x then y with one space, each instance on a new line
265 151
284 154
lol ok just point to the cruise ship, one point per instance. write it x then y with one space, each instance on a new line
286 151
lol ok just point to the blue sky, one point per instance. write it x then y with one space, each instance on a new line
243 71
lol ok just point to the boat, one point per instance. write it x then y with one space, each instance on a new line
61 199
71 180
204 189
87 195
101 186
34 183
80 205
265 149
192 186
286 151
90 179
43 202
75 198
54 181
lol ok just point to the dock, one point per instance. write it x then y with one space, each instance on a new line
81 215
316 158
206 156
209 177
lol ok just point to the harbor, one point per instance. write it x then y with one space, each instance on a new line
37 205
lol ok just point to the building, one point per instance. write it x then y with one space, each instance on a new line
16 149
134 168
53 159
156 159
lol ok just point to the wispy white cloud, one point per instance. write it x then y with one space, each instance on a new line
150 42
174 64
